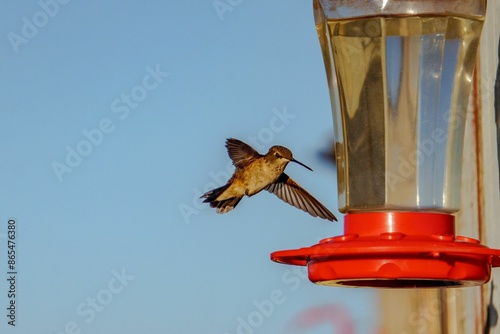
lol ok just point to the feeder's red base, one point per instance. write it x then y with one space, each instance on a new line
396 250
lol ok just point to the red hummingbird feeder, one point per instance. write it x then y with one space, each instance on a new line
399 73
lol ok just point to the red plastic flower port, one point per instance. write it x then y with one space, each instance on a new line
396 250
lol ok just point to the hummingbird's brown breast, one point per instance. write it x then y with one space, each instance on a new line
259 174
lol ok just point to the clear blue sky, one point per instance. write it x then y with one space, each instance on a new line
113 121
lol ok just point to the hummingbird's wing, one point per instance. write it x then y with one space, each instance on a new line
289 191
240 153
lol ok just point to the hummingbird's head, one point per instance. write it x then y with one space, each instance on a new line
284 154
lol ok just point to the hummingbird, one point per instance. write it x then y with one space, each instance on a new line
255 172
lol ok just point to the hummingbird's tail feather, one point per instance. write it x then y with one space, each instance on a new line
211 196
226 205
222 206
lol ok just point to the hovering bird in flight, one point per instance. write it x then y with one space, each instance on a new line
255 172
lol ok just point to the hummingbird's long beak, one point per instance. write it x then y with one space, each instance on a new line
300 163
